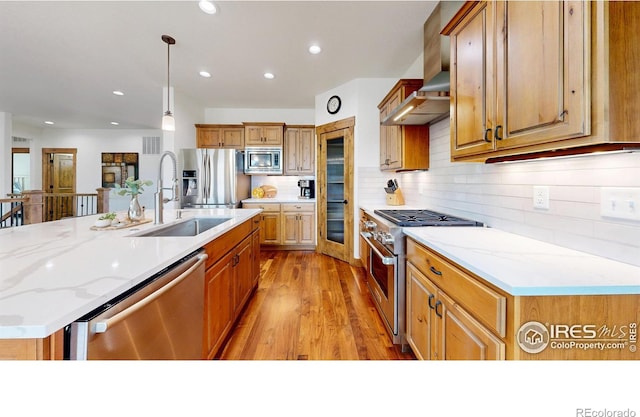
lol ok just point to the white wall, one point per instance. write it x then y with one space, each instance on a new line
360 99
90 144
500 195
5 154
237 116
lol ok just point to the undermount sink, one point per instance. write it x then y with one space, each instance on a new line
191 227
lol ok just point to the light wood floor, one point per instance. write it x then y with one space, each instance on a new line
310 306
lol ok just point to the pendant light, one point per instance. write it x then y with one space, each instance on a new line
168 122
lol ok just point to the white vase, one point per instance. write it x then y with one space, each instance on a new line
135 213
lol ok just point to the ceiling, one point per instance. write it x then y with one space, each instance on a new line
61 60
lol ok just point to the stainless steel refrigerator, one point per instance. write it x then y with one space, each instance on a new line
213 178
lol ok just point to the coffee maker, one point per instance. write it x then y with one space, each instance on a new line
307 188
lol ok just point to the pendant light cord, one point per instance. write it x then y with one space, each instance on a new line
168 76
169 41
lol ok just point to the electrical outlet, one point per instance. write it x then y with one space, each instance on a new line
541 197
620 203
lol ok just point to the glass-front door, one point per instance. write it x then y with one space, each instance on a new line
335 201
335 185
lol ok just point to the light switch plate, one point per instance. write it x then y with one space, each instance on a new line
620 203
541 197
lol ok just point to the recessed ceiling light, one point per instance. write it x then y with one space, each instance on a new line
207 7
315 49
118 93
48 122
269 76
205 74
115 123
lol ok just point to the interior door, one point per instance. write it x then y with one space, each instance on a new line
335 185
59 177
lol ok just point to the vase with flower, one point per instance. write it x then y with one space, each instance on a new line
133 188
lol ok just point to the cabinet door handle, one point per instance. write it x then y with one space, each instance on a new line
431 297
419 318
486 135
435 271
498 137
438 303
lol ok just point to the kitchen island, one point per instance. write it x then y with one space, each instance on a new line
53 273
480 293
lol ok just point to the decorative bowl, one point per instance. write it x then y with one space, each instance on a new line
102 223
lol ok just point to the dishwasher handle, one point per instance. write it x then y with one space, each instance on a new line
103 326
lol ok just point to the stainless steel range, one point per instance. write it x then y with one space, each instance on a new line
382 231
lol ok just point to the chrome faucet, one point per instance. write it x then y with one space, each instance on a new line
158 199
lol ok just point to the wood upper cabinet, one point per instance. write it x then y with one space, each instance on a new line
299 150
531 77
220 136
298 224
402 147
519 75
263 134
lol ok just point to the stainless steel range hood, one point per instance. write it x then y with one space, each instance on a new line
431 102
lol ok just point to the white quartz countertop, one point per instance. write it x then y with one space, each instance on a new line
276 199
54 273
522 266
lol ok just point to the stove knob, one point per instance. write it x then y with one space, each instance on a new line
385 238
370 225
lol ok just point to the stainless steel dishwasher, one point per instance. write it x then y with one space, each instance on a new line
162 318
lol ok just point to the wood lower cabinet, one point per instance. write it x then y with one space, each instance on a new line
242 262
263 134
420 293
270 222
219 306
402 147
298 224
454 314
229 282
48 348
439 328
220 136
287 225
255 253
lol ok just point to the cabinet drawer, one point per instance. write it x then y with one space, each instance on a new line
485 304
263 206
297 207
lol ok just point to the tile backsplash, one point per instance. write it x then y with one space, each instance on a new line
501 196
287 185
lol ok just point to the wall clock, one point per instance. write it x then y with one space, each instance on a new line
333 105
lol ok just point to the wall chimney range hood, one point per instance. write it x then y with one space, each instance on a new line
431 102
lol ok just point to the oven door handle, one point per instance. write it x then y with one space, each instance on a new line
386 260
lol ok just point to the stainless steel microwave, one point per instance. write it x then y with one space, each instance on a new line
263 160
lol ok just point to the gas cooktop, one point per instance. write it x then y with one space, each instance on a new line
421 218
